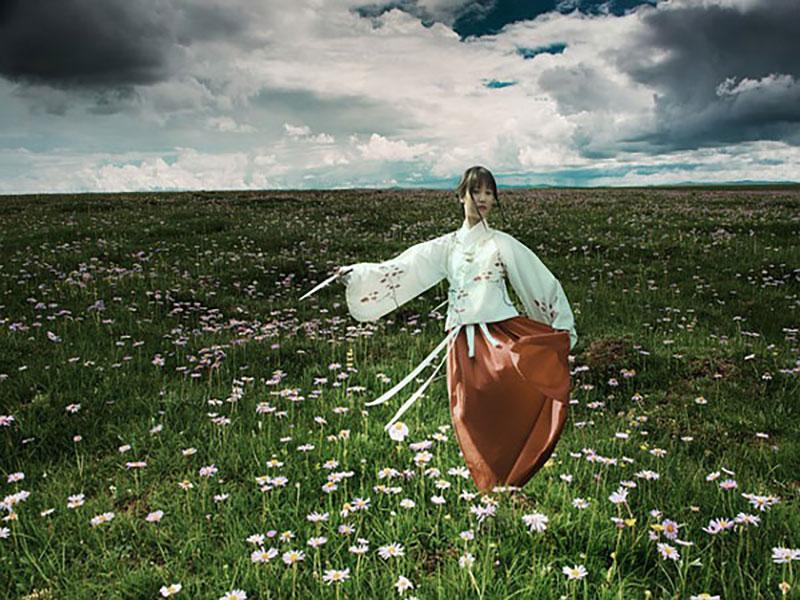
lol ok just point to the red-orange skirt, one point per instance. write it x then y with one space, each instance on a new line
509 402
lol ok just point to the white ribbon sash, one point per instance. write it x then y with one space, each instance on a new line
425 362
489 338
416 395
448 340
471 337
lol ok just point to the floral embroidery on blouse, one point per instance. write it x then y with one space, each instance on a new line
493 275
390 281
457 302
546 308
497 263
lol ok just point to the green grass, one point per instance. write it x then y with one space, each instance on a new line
695 293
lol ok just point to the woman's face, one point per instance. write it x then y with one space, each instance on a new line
478 200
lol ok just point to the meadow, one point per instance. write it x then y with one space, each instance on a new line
174 423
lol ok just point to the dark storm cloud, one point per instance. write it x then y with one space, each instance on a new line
484 17
102 43
728 74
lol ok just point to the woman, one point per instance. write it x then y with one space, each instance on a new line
509 386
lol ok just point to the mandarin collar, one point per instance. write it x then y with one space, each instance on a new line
469 235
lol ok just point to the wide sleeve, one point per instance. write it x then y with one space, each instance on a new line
539 290
376 288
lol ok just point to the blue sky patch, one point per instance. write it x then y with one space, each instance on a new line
477 20
495 83
556 48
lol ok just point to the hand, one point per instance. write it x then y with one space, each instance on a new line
341 272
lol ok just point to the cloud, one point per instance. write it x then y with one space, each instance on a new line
427 11
303 132
83 43
748 161
488 17
582 87
295 131
381 148
686 66
228 125
190 170
311 93
773 81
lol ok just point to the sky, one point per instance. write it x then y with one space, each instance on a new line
295 94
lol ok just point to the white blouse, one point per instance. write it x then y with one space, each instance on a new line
476 261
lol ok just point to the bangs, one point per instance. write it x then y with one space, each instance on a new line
481 179
474 178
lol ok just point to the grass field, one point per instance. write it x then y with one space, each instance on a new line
170 414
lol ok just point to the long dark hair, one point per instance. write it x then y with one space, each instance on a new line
475 177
